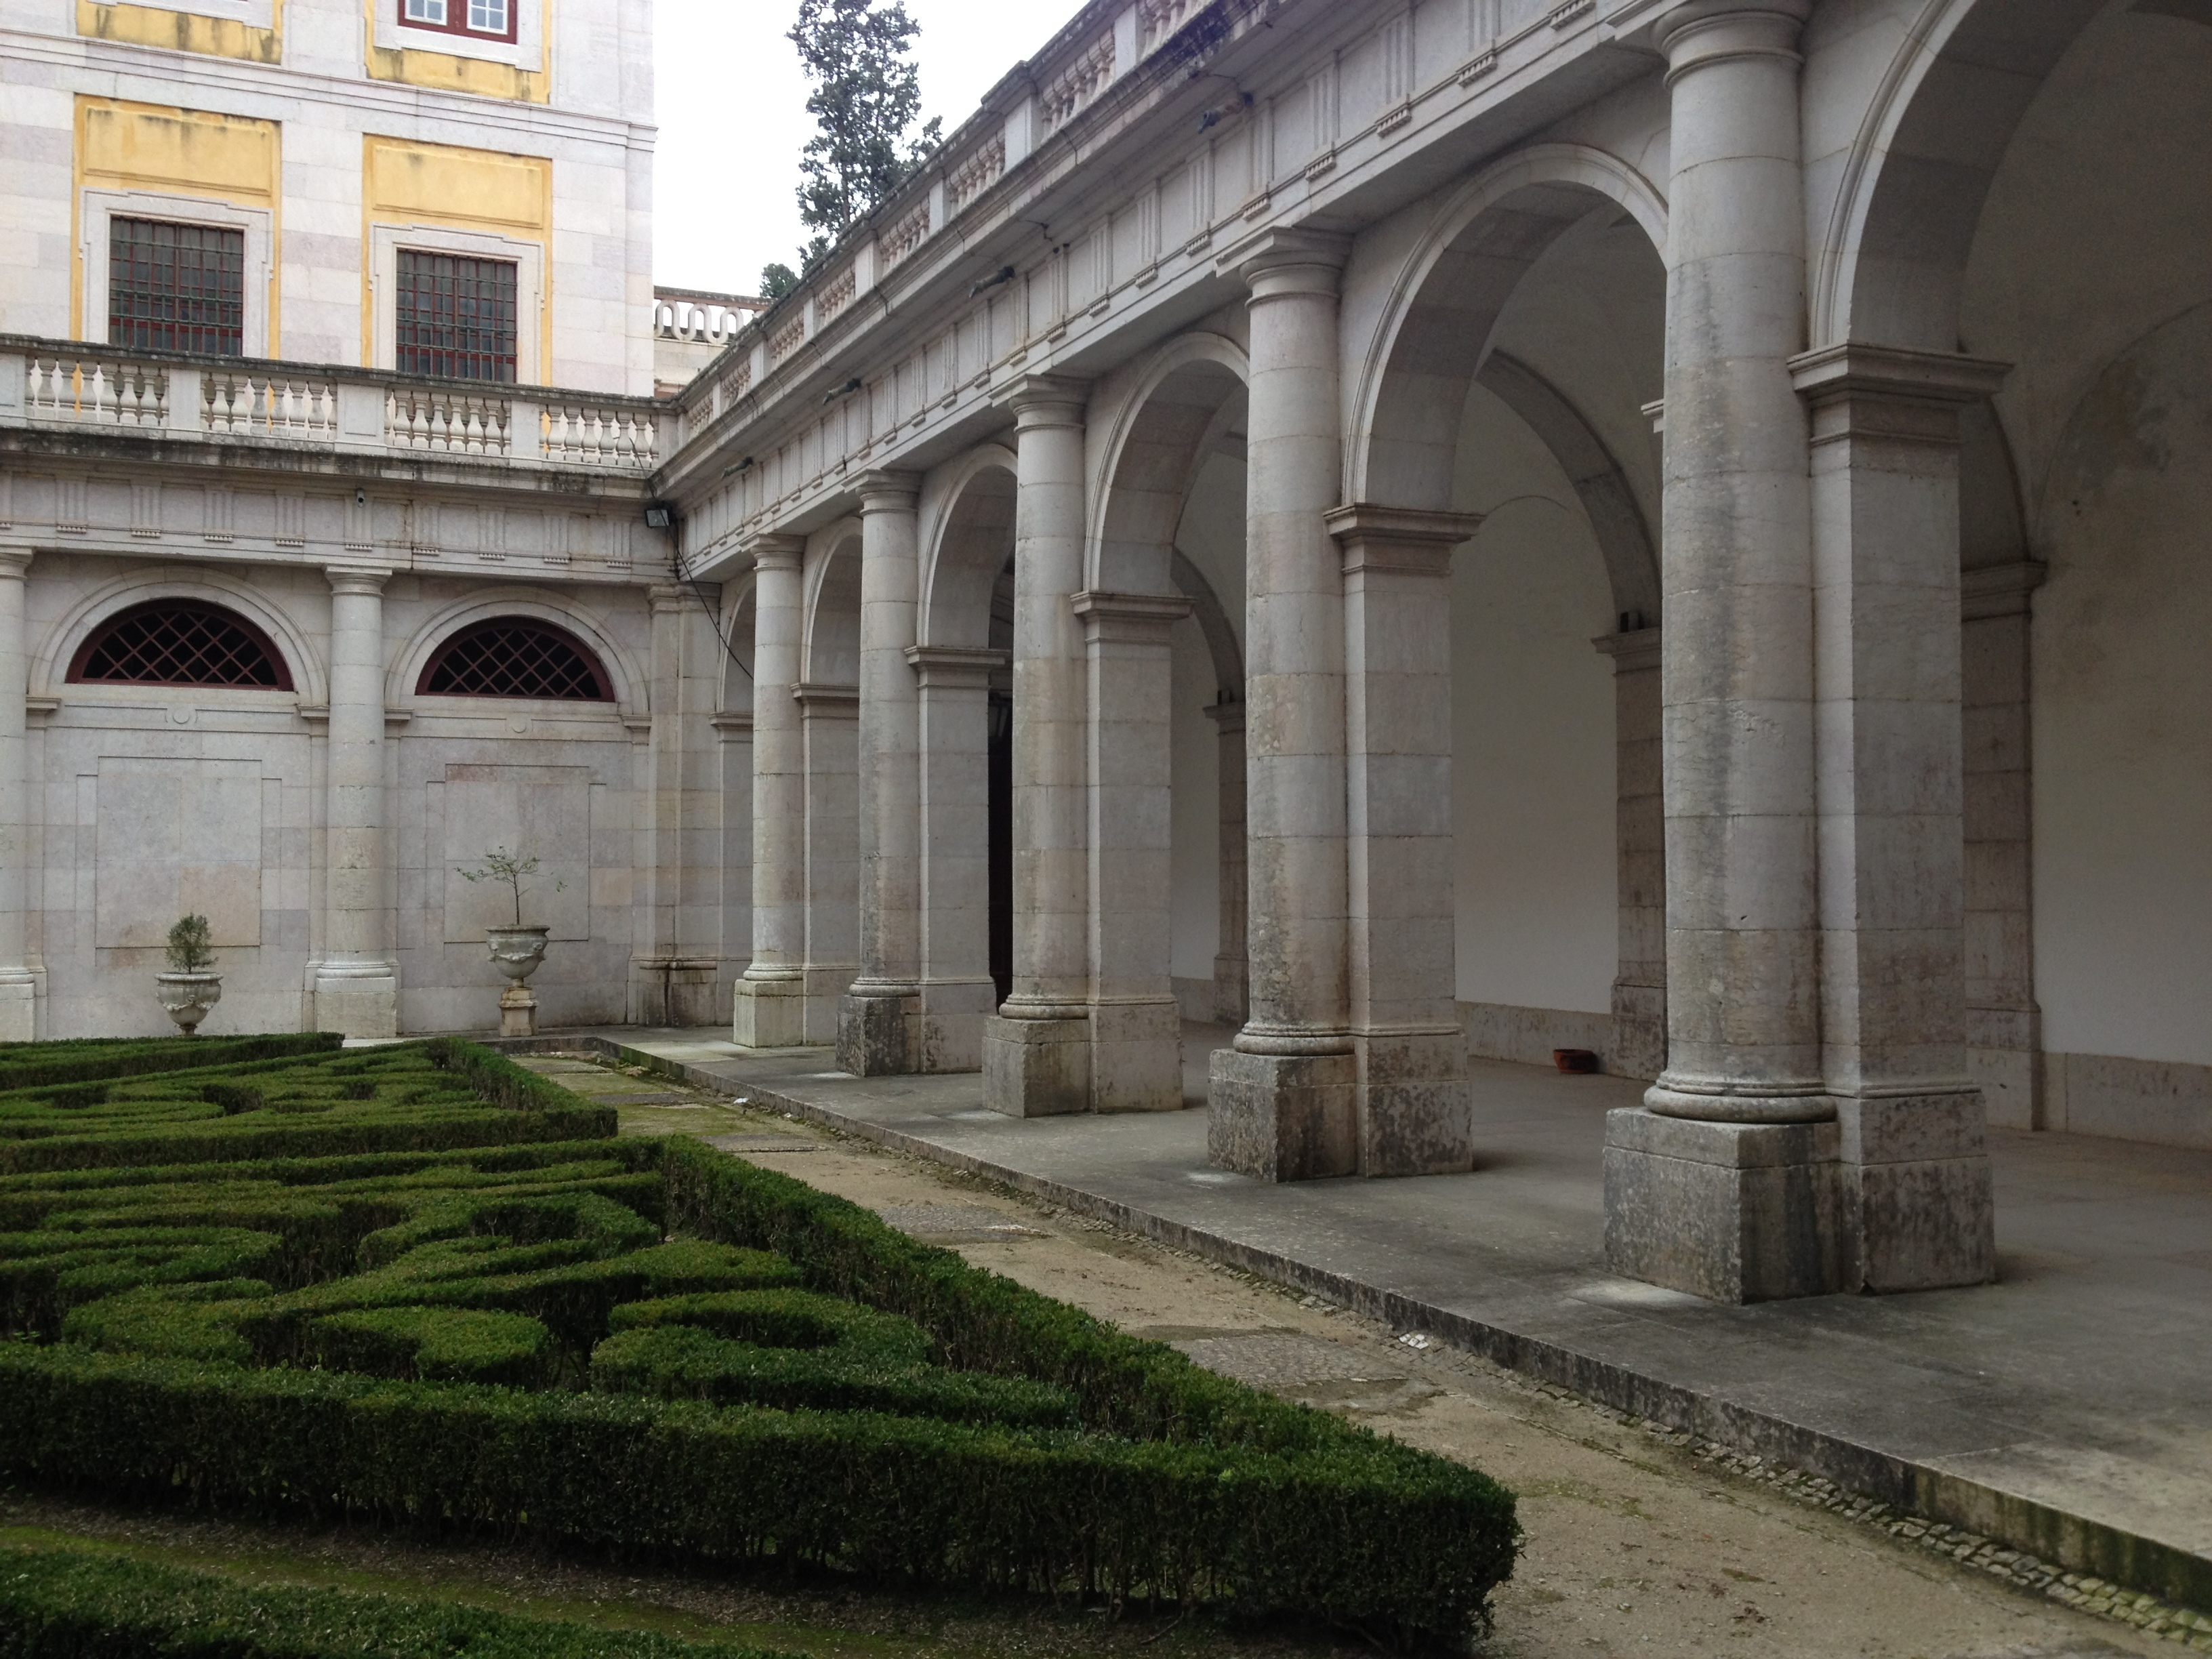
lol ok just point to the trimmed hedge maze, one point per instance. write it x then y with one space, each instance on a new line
419 1285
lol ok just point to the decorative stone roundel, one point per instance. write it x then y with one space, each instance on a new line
516 657
180 642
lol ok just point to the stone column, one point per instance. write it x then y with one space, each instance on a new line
2004 1026
19 986
655 948
1136 1028
1037 1051
734 746
1916 1187
1726 1183
1639 981
1280 1103
357 984
878 1021
829 727
1410 1111
957 993
1232 976
769 997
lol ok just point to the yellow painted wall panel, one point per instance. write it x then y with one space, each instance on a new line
120 145
183 31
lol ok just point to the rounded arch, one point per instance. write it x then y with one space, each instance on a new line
405 673
966 544
1435 324
736 623
1890 268
1177 407
829 637
50 663
509 656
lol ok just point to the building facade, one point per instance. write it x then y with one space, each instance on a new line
1667 527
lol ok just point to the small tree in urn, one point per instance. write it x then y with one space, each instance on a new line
188 990
516 949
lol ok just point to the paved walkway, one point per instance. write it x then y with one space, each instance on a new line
2066 1410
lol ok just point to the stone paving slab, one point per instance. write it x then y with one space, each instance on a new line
2066 1410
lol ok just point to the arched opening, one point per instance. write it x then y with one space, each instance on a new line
516 657
829 699
179 642
1514 385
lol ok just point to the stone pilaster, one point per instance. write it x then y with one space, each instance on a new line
1411 1109
356 986
2004 1026
878 1021
769 999
829 727
1036 1050
1718 1202
19 985
1136 1029
1281 1102
1231 971
1639 982
953 683
1891 790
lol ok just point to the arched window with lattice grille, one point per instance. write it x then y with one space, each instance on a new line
516 657
180 642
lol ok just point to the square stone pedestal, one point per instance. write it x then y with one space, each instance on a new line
1036 1067
875 1036
18 1007
1733 1212
1916 1191
357 1004
950 1025
1411 1106
1136 1057
517 1013
1282 1117
766 1013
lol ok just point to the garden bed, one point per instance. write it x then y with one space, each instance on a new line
420 1285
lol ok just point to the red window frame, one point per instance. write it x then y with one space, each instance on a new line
456 13
183 610
426 682
457 317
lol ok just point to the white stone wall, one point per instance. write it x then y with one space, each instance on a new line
597 132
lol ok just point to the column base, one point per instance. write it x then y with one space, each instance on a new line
1036 1067
821 998
1136 1057
358 1002
1916 1191
517 1013
1411 1105
876 1034
1282 1117
951 1028
766 1013
1732 1212
19 1006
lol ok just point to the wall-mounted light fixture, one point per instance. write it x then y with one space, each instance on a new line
1006 274
659 515
737 466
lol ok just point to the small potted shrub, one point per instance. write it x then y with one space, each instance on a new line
188 990
516 949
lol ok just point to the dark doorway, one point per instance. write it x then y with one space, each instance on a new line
1002 843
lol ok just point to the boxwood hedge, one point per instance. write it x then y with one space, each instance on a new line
438 1301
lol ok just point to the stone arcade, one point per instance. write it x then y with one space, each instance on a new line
1150 573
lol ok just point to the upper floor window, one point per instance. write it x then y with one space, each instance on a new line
492 19
516 657
180 642
456 316
176 287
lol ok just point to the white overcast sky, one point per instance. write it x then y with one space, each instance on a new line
732 107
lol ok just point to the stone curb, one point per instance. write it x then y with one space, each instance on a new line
2083 1549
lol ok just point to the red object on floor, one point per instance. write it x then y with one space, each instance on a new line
1575 1060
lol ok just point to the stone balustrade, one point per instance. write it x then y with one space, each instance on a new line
49 384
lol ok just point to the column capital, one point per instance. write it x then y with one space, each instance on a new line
1276 262
1228 717
1702 33
774 551
835 702
666 597
1999 590
1044 400
1638 648
1141 617
955 668
1411 539
1855 369
362 580
885 490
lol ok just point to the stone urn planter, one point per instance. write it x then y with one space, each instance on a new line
188 997
516 952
